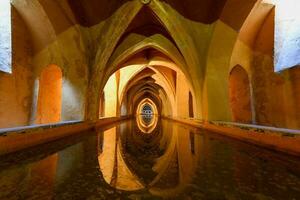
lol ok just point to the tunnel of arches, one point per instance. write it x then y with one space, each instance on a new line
147 56
110 65
147 75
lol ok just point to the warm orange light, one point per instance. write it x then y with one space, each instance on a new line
50 94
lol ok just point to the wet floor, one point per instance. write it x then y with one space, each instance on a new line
149 158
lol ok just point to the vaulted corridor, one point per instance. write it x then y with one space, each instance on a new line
164 96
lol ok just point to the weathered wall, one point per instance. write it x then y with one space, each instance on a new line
240 98
295 88
68 52
38 43
5 36
15 88
274 96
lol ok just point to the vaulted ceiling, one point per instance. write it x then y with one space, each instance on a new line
91 12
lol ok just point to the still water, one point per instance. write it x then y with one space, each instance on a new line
148 158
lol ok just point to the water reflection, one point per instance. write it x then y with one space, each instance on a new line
146 123
146 119
170 162
178 162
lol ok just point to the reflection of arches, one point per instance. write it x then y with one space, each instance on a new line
191 108
239 92
50 94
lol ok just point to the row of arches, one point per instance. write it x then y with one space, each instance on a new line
131 85
114 97
119 44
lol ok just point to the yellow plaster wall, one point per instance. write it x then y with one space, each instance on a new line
126 74
111 97
217 70
182 96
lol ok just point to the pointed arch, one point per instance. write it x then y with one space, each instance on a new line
112 36
105 47
240 95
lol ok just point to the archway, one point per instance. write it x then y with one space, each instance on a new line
240 96
49 96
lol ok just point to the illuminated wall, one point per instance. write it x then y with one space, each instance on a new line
50 95
126 74
111 97
182 96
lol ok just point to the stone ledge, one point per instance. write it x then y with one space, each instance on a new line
32 128
18 139
281 140
259 128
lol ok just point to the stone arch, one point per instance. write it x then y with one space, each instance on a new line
113 36
157 76
140 90
156 91
165 47
119 62
240 96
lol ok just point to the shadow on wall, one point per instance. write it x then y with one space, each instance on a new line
49 96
